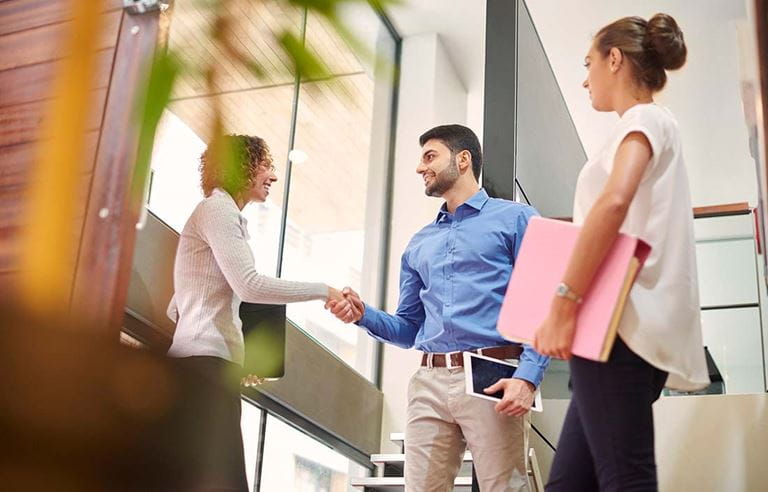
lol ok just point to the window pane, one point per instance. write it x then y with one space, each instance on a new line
294 461
336 198
259 107
249 424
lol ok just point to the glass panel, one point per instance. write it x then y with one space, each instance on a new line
728 276
253 107
338 183
294 461
249 424
734 340
725 254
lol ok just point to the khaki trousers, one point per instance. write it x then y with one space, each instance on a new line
442 420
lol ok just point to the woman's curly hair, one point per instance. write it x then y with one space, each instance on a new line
247 154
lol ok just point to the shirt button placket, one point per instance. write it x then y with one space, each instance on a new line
451 258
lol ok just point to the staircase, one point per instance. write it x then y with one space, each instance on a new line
388 476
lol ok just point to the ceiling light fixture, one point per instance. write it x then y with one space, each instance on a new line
297 156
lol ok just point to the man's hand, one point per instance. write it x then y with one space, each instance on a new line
518 396
349 308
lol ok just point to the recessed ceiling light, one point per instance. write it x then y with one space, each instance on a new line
297 156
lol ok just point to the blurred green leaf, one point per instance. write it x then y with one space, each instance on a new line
162 76
381 5
256 69
305 63
327 7
230 154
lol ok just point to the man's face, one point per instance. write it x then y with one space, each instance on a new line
437 167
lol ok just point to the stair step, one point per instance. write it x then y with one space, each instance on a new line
391 484
397 437
394 458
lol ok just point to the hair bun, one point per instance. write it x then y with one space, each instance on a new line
665 39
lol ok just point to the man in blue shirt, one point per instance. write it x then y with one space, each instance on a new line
454 274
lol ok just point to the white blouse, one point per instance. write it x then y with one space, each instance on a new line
662 321
213 272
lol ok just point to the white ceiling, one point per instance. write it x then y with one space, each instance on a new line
461 27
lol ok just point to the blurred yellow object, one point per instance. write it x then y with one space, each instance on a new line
47 243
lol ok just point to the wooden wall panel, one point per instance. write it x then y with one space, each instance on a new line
20 15
44 44
33 82
21 123
12 219
31 48
17 160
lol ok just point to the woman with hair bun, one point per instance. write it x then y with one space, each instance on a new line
636 184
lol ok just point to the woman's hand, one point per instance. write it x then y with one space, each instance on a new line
334 295
555 336
340 304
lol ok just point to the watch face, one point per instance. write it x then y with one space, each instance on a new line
562 289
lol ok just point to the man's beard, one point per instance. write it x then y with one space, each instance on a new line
444 180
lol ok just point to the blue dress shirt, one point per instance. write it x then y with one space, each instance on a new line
453 277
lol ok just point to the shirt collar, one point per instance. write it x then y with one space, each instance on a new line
476 201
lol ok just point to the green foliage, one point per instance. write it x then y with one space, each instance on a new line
166 70
162 75
306 65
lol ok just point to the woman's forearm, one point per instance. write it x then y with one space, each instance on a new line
598 233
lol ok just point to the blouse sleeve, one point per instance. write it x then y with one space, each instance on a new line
220 227
650 121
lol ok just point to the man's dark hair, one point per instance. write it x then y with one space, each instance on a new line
457 138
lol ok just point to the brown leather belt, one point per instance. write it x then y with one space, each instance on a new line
457 359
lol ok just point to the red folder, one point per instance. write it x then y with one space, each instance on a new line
540 266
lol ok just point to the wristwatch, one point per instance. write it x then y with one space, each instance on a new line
564 291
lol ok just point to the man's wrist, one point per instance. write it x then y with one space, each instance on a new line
362 314
530 385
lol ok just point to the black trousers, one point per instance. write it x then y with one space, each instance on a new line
195 443
208 430
607 443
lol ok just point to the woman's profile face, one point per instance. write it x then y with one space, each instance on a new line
260 185
599 79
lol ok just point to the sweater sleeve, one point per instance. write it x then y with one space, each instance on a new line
220 227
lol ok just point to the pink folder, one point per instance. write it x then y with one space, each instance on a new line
540 266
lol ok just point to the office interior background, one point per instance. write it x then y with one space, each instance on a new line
348 198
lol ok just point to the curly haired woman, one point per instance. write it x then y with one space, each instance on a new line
214 271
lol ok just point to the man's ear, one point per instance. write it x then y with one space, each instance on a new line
464 160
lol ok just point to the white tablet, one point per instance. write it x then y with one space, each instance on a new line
481 371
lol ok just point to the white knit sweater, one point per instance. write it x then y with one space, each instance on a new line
213 273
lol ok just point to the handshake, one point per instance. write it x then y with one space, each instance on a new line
345 304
